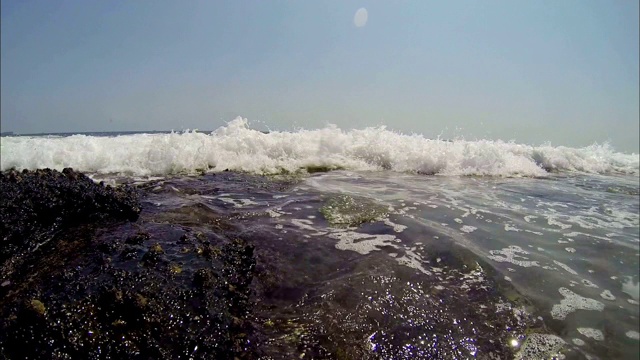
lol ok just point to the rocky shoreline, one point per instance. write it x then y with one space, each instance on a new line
94 271
71 290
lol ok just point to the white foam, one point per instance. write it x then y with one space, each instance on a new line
396 227
238 203
237 147
273 213
631 287
565 267
594 334
468 229
512 254
631 334
607 295
508 227
577 233
578 342
573 302
551 220
540 346
412 260
361 243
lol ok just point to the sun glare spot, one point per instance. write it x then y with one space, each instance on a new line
360 18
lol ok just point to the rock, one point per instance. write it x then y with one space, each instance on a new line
34 205
115 310
138 238
59 232
154 255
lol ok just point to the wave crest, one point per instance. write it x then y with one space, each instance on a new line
238 147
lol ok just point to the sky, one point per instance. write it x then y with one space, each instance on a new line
536 71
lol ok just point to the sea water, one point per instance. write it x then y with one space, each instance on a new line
560 225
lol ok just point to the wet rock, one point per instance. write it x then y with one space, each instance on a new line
154 255
129 253
204 279
185 239
123 310
34 205
110 248
96 291
138 238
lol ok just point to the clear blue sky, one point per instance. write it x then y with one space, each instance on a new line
532 71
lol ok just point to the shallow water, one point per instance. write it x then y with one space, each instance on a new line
381 264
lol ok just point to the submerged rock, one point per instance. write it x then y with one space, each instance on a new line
347 211
379 310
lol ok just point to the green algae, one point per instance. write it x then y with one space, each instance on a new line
349 211
175 269
37 306
156 248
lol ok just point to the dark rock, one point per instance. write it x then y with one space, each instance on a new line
96 291
109 248
129 253
154 255
138 238
36 204
137 313
204 279
185 239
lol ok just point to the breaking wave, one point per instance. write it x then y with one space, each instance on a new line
238 147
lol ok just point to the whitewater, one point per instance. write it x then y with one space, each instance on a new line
387 245
237 147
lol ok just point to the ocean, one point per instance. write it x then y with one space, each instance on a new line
388 245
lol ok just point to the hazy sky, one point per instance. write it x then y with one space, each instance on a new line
532 71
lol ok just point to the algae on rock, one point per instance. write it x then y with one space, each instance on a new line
349 211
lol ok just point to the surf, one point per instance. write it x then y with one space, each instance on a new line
238 147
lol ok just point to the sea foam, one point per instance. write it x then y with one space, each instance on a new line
238 147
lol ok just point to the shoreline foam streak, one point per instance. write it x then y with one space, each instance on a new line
237 147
